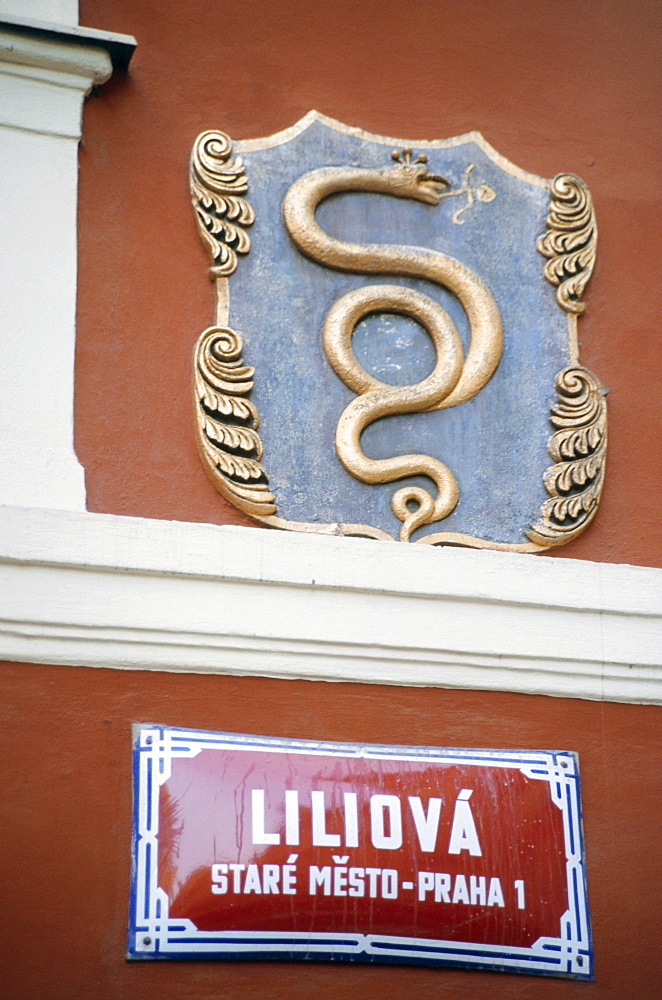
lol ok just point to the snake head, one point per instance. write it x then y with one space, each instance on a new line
414 180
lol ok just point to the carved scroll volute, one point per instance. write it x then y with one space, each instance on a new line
579 450
578 447
570 242
226 421
218 183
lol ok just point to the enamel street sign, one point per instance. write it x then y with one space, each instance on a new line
249 847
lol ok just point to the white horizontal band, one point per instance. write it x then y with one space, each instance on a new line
99 590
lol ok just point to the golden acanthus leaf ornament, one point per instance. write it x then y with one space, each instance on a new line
217 183
579 449
227 422
578 446
570 242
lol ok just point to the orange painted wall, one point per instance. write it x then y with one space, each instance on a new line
553 86
65 742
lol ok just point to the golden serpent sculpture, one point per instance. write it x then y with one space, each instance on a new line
454 379
227 421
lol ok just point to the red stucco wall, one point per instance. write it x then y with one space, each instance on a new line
65 742
553 86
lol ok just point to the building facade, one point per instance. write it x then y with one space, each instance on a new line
132 592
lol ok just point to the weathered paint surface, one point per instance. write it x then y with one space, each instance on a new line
496 443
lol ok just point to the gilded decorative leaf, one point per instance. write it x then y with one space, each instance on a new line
242 409
240 468
567 444
217 182
232 437
226 424
570 242
579 448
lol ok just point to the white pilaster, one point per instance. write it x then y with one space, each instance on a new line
44 77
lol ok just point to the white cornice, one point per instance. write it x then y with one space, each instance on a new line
56 41
53 56
40 62
46 69
99 590
43 83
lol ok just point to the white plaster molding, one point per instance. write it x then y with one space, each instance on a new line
58 11
98 590
44 77
45 96
20 29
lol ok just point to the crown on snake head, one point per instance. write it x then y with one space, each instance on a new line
404 157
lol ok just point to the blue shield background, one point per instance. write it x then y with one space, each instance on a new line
496 443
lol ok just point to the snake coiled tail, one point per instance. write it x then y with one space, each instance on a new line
454 379
377 399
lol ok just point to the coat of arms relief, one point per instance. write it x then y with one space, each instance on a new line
395 338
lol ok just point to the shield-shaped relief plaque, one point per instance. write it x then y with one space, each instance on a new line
395 352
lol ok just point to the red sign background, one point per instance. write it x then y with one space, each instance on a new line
206 820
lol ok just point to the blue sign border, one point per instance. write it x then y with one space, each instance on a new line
153 935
